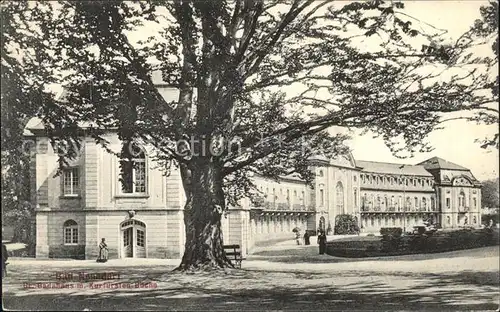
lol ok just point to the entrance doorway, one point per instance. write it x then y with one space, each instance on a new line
133 234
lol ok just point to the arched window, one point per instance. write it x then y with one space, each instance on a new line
433 203
392 202
416 202
133 169
372 199
448 220
355 198
386 202
461 199
408 203
364 201
378 201
340 198
424 203
70 228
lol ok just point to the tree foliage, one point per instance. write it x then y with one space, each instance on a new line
261 86
490 194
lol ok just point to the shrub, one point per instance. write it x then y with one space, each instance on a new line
371 248
485 219
394 231
391 238
346 224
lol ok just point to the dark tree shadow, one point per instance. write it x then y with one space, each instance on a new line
258 290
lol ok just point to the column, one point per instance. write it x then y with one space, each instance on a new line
42 239
92 236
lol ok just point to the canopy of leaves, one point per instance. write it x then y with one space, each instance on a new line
490 194
273 77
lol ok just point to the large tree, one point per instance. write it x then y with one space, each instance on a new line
261 86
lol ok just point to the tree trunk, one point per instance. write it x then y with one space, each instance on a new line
202 217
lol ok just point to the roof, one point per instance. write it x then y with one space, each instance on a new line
392 168
440 163
345 160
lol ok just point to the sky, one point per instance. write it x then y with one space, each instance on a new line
455 142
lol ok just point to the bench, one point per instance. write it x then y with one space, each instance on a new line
234 254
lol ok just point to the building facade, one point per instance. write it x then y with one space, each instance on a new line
143 216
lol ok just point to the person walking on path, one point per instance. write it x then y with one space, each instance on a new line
298 237
322 242
307 240
103 251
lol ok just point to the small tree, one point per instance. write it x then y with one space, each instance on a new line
346 224
490 194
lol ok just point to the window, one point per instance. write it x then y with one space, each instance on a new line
321 197
354 178
448 220
340 197
448 203
406 181
461 199
140 238
424 203
433 203
414 182
320 173
133 170
70 232
416 202
355 197
474 202
71 185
